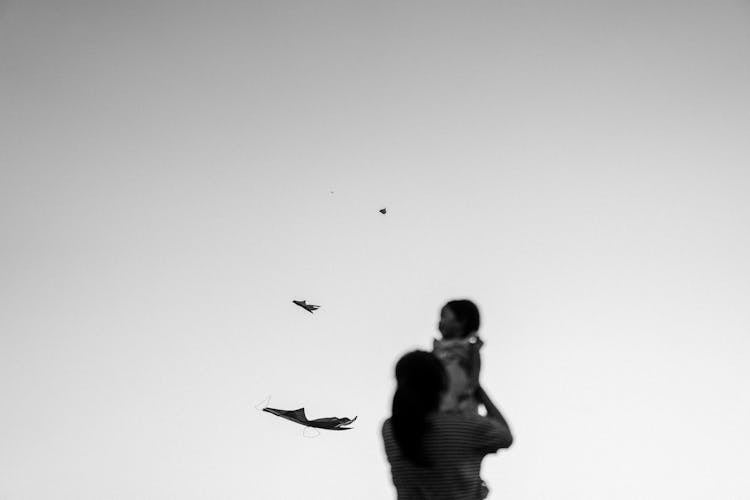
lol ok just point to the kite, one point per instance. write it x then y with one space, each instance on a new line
307 307
298 416
382 211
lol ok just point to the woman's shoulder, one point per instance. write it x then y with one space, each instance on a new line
386 424
457 418
469 430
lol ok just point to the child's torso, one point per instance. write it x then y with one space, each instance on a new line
462 361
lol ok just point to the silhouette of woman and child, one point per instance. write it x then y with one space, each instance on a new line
435 439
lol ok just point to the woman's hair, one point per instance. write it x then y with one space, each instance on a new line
421 380
466 313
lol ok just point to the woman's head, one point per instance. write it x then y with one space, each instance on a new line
422 381
423 373
459 319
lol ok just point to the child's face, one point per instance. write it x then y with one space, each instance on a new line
449 325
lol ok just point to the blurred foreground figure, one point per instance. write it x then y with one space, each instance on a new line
437 454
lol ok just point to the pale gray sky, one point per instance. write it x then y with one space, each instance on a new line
580 169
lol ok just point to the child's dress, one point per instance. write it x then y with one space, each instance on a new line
462 362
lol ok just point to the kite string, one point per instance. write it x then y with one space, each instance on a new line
310 437
263 403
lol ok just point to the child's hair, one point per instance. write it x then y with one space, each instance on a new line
466 313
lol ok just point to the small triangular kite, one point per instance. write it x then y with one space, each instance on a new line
307 307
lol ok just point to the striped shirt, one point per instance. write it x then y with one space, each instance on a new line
456 444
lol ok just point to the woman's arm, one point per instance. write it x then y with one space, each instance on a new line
492 411
499 436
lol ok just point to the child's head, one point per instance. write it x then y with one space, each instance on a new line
458 319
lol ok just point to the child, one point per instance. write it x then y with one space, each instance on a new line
459 352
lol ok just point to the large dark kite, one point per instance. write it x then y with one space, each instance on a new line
298 416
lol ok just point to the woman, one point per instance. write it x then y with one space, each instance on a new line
437 454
